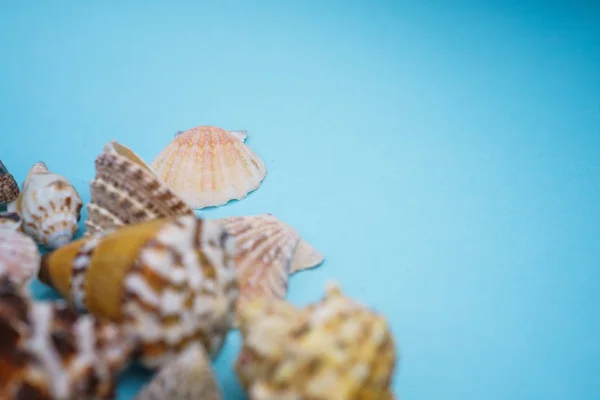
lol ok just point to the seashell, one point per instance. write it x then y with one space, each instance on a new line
189 376
9 189
125 191
268 251
49 207
334 349
11 221
19 257
48 352
209 166
169 282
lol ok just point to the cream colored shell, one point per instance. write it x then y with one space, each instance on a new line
209 166
19 257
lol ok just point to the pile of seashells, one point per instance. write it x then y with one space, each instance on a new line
151 282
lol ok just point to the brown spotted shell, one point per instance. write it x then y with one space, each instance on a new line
9 189
334 349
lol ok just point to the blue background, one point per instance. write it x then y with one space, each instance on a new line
443 155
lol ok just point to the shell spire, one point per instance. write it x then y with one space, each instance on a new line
9 188
169 282
209 166
126 191
49 206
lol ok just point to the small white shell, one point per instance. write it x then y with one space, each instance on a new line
187 377
19 257
49 206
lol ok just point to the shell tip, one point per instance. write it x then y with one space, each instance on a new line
305 257
240 134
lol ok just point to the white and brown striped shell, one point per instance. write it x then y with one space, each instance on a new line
334 349
187 377
19 257
126 191
9 188
47 352
169 282
268 251
49 207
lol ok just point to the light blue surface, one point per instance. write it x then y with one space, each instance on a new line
442 155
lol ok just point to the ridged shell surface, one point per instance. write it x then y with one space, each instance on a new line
49 207
334 349
126 191
267 252
19 257
187 377
9 188
209 166
169 282
47 352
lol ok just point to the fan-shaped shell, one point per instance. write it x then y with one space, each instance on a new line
334 349
268 251
9 189
47 352
126 191
49 207
209 166
19 257
169 282
187 377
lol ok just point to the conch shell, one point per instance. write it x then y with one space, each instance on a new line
47 352
189 376
19 257
209 166
334 349
9 189
169 282
126 191
268 251
49 207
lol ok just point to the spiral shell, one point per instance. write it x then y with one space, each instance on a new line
170 282
334 349
47 352
126 191
9 189
209 166
19 257
49 207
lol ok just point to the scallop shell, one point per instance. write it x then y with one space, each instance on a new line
47 352
9 189
187 377
169 282
209 166
268 251
334 349
49 207
19 257
11 221
125 191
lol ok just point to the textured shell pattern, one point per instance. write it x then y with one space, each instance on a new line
174 283
19 257
9 188
47 352
189 376
334 349
209 166
49 207
125 191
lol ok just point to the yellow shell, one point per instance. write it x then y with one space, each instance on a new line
47 352
334 349
49 207
125 191
170 282
209 166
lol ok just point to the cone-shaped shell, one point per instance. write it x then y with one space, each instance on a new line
209 166
11 221
169 282
334 349
47 352
19 257
267 252
9 189
125 191
187 377
49 207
